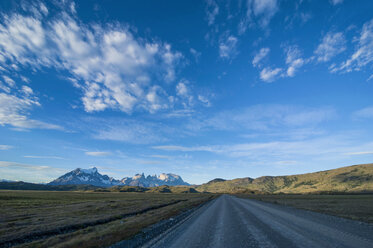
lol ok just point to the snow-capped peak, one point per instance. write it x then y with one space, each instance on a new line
92 170
170 177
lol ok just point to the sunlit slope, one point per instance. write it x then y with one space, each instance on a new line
356 178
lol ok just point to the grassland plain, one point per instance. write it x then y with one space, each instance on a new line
356 207
84 219
350 179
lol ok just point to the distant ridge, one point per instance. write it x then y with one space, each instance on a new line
353 179
93 177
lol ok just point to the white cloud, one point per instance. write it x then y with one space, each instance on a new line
364 113
98 154
212 11
269 75
5 147
261 11
370 77
305 17
43 157
181 89
113 68
156 99
332 44
335 2
293 60
204 100
4 87
363 54
195 53
265 118
260 56
43 9
9 81
359 153
227 47
184 93
13 111
27 90
133 132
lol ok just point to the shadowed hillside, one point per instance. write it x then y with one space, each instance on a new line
352 179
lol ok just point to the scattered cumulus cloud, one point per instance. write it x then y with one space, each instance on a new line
363 54
181 89
332 44
263 52
269 75
212 11
261 11
195 53
9 81
293 60
204 100
112 67
227 47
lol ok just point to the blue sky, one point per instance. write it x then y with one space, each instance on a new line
203 89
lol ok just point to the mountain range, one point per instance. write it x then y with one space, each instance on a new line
93 177
349 179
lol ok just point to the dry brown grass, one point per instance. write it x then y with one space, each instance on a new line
97 216
356 207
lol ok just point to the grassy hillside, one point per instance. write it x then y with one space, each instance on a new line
350 179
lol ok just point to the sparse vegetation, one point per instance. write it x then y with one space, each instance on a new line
84 219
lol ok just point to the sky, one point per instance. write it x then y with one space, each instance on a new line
203 89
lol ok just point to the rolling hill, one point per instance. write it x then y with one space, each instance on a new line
350 179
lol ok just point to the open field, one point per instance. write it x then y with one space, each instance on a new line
356 207
83 219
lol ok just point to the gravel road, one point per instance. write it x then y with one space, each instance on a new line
234 222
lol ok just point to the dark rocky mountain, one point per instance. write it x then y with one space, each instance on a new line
93 177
